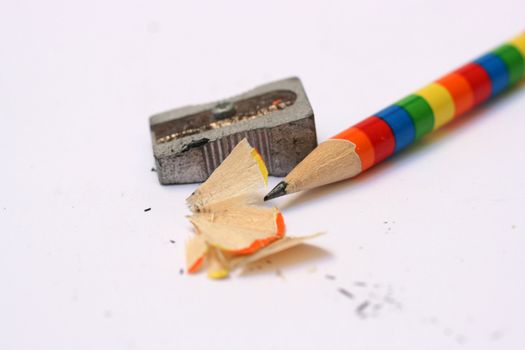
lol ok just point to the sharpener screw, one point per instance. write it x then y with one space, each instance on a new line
223 110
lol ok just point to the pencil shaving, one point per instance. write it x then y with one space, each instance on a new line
231 230
280 245
242 230
217 264
238 180
196 249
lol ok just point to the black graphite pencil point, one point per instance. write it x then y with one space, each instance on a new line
278 191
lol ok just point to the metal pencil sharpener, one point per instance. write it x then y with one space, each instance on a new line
276 118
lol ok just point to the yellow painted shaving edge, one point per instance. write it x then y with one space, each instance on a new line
218 274
262 165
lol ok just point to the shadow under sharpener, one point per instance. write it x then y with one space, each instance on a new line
276 118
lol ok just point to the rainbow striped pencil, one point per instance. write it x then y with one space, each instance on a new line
387 132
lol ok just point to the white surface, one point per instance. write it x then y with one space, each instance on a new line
82 266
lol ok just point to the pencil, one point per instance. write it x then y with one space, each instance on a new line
391 130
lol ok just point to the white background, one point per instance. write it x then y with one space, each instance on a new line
82 266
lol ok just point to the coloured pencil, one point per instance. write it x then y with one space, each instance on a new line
392 129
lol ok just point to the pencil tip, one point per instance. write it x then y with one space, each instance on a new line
278 191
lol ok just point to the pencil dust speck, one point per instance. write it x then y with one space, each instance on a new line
371 299
388 299
376 308
460 339
360 309
496 335
345 293
433 320
147 209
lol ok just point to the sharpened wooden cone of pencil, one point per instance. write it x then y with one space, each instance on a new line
232 229
392 129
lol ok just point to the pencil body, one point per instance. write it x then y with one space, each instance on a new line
409 119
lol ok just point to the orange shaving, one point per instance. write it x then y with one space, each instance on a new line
196 265
261 243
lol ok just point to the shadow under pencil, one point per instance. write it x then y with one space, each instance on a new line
477 114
